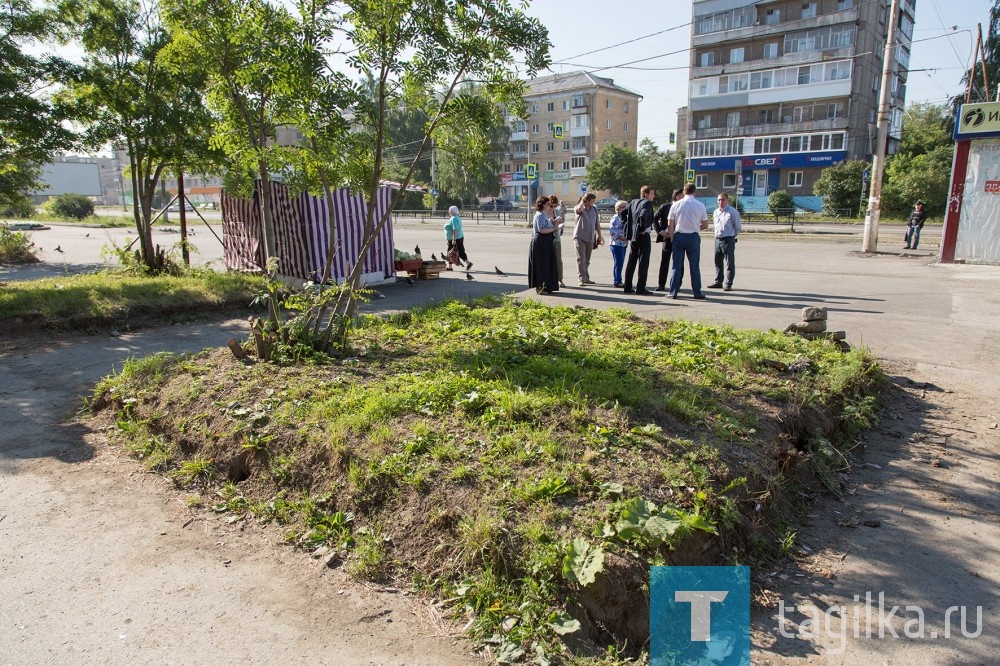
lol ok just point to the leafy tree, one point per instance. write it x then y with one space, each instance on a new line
911 177
128 97
780 202
31 127
618 169
420 56
664 172
251 52
926 126
840 186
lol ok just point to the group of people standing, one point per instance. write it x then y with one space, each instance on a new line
545 267
676 225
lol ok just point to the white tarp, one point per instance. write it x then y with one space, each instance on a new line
979 224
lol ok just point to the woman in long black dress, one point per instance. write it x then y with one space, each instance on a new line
542 272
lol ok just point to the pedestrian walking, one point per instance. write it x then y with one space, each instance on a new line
662 226
586 234
616 231
638 226
687 217
456 240
913 227
727 224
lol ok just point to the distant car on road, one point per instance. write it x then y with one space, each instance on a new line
175 207
497 205
607 204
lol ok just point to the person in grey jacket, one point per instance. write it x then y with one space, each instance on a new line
586 234
727 223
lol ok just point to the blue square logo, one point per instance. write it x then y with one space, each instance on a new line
699 615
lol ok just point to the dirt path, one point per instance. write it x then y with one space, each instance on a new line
100 563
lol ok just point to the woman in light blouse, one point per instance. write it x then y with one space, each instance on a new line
542 272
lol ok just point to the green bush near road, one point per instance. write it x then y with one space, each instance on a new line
74 206
110 297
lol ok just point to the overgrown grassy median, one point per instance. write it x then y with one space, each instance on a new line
525 463
120 298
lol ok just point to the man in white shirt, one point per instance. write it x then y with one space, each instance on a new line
687 217
726 221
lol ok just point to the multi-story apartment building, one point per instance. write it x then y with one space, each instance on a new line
779 90
592 113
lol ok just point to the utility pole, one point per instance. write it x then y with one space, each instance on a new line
434 201
870 241
182 199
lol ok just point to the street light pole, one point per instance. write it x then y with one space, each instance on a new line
870 241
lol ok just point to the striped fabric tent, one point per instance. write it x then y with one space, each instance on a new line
302 234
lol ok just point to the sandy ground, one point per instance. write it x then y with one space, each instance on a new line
100 564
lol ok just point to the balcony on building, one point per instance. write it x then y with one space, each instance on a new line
578 172
786 60
519 136
579 131
577 110
808 126
580 151
786 24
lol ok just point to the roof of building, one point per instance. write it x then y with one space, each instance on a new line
555 83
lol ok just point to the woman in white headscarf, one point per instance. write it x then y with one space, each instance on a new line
456 240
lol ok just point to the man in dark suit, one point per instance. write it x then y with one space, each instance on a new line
638 226
662 227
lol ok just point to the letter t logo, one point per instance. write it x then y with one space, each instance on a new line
701 610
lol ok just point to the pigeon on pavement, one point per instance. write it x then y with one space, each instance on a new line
469 277
58 248
434 257
499 272
409 281
416 250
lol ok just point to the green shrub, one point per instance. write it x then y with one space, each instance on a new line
75 206
780 202
16 247
19 208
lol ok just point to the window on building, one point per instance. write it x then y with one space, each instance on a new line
837 142
705 122
844 4
579 162
565 145
608 123
534 147
548 128
736 55
702 89
729 181
579 142
625 127
723 84
519 168
794 179
733 119
707 59
875 82
701 181
534 108
506 168
550 146
772 17
607 103
534 128
565 165
808 10
582 120
625 107
771 50
550 107
550 166
565 105
765 116
579 100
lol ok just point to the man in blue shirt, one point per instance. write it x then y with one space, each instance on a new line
726 220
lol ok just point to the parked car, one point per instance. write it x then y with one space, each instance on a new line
175 207
607 204
497 205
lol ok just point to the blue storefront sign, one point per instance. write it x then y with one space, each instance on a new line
782 161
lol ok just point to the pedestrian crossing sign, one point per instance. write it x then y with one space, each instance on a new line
690 175
531 171
557 131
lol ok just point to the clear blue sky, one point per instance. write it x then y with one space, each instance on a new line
581 26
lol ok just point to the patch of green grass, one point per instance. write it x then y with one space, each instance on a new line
483 450
112 297
16 247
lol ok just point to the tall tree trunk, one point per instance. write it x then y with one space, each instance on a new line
270 244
